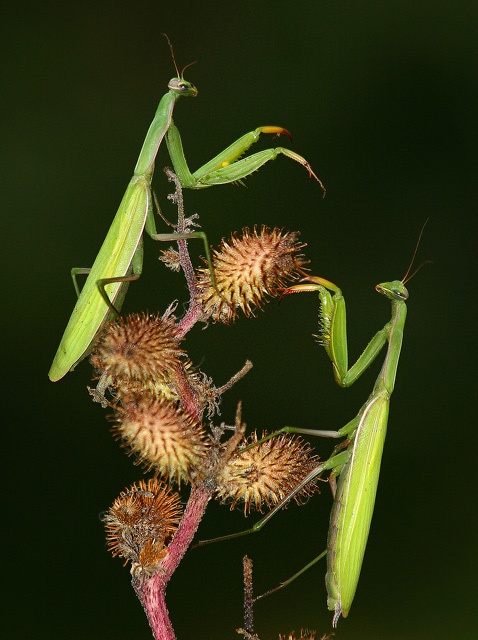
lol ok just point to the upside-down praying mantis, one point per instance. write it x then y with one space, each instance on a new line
358 466
120 258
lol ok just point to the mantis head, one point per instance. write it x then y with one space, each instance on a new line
179 86
182 87
394 290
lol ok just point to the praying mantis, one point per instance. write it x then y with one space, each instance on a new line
358 466
120 258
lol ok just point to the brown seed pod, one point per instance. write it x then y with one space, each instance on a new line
163 437
249 269
267 473
139 349
141 522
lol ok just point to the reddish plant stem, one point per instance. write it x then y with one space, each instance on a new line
151 591
152 595
194 312
192 315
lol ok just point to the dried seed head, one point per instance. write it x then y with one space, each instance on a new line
171 259
138 349
247 270
267 473
163 437
141 522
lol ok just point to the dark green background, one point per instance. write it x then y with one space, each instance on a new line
381 98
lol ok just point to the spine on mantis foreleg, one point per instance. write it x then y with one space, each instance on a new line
332 321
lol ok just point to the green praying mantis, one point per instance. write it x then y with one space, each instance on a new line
120 258
358 466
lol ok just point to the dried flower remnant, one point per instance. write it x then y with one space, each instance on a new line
140 524
163 437
265 474
249 269
139 348
171 258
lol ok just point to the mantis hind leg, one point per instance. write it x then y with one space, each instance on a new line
182 228
134 271
173 237
78 271
101 284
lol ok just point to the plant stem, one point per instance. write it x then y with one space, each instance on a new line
151 591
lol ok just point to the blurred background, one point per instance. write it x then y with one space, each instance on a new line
381 98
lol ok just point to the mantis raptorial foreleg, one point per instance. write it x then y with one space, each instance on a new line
226 166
